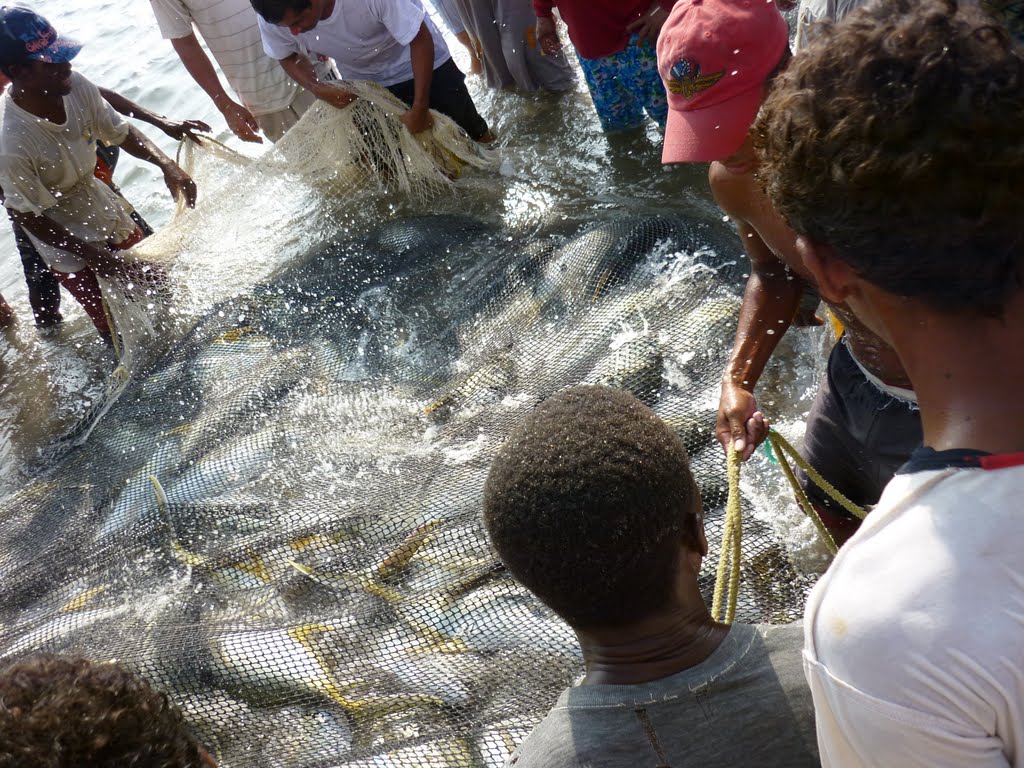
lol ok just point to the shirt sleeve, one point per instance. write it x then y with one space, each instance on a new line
173 18
108 124
23 189
403 18
543 8
278 42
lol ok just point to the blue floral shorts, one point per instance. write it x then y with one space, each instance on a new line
625 85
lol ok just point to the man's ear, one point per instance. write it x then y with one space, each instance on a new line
835 280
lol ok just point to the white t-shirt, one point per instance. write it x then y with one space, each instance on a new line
914 645
47 169
815 10
368 39
231 33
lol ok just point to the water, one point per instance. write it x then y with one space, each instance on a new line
556 166
310 453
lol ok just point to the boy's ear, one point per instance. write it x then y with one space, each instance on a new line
835 279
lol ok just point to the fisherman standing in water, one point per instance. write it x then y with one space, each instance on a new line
717 60
50 122
270 101
43 284
391 42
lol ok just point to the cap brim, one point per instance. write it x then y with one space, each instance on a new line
712 133
60 51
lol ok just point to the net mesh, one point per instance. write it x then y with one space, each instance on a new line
279 520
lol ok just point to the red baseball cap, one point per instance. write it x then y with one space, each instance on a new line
714 56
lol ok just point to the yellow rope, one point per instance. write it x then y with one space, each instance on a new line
732 534
729 557
780 445
801 497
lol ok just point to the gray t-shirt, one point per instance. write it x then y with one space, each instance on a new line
746 704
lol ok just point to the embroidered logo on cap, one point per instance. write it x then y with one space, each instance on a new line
687 81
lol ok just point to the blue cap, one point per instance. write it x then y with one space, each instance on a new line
24 34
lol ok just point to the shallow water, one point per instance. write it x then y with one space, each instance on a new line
556 165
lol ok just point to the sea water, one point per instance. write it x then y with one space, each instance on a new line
555 165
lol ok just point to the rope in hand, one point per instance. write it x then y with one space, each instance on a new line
732 534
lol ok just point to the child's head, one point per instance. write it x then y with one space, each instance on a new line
590 503
58 712
894 140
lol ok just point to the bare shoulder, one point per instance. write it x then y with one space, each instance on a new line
735 193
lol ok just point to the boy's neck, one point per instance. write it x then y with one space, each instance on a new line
651 649
968 374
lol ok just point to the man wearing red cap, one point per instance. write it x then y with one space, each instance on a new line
717 59
614 41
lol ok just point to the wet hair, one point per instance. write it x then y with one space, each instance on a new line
60 712
894 137
588 503
273 11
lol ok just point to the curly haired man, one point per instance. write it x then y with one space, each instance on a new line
60 712
894 145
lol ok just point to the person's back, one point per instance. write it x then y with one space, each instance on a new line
746 703
591 505
913 645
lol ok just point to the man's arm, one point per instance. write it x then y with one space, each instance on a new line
770 300
300 69
176 129
421 51
178 182
239 119
50 232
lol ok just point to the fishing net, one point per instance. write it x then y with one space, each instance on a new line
278 521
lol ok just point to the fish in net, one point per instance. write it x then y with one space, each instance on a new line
279 520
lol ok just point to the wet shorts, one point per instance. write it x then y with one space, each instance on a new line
857 435
626 84
449 96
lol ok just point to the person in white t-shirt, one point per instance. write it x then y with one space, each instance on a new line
893 145
271 101
50 121
391 42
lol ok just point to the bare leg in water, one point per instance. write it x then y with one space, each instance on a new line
475 67
6 314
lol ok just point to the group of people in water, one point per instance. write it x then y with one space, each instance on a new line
880 167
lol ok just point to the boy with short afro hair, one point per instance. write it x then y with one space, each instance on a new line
590 503
894 146
62 712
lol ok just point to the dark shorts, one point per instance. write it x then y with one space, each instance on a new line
449 96
857 435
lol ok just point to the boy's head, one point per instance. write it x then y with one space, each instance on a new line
590 504
298 15
31 49
715 57
894 144
67 713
